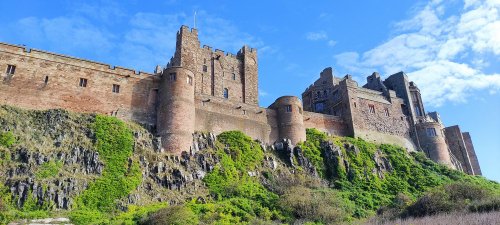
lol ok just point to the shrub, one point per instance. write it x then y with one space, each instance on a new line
173 215
320 205
485 205
450 197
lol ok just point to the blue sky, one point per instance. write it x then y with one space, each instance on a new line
449 48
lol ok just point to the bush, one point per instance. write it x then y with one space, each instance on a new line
320 205
450 197
7 139
485 205
173 215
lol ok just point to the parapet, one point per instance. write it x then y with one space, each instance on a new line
69 60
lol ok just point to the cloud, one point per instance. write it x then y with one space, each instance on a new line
444 53
65 34
263 93
332 43
316 36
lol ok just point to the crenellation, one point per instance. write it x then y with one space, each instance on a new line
204 90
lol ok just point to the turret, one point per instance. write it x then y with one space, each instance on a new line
176 110
433 141
290 118
250 75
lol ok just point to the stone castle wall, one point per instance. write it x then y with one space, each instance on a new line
44 80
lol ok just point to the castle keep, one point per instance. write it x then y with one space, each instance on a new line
201 89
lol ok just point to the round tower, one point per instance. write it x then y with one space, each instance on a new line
290 118
176 111
433 142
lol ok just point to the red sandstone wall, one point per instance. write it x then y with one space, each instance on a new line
218 115
26 88
327 123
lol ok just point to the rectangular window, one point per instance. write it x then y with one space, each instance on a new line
172 76
11 69
431 132
319 107
226 93
288 108
116 88
417 111
386 112
205 68
46 79
234 76
189 80
83 82
371 108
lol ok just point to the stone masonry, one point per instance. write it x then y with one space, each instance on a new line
201 89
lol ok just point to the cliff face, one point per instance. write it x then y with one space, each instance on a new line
97 168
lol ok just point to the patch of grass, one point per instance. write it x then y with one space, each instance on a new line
7 139
48 169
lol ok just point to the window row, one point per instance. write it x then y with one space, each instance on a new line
84 81
173 77
371 109
205 69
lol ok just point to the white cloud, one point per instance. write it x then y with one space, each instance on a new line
263 93
445 56
316 36
65 34
332 43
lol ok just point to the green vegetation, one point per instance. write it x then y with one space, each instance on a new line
173 215
357 179
238 197
7 139
48 169
114 142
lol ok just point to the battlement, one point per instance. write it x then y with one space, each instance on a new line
70 60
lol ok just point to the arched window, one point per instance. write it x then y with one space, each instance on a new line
226 93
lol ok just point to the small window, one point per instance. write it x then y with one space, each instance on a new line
354 104
116 88
300 110
386 112
83 82
319 107
226 93
46 80
189 80
244 112
431 132
371 108
325 93
172 76
417 110
204 61
234 76
288 108
11 69
205 68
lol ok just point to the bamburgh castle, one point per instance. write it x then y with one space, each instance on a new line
202 89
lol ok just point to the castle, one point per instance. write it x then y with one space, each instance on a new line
202 89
